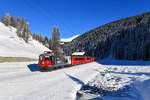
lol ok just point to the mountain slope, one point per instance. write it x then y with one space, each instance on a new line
127 38
13 46
69 39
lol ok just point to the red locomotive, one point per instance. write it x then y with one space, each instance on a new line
49 62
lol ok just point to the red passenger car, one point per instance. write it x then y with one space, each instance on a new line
75 60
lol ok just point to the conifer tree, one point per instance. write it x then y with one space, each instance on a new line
3 19
23 22
13 21
27 32
18 23
18 26
6 19
55 40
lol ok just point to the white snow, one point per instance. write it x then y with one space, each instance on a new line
69 39
23 81
13 46
17 82
109 80
114 75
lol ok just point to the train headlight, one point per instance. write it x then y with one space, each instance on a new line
43 62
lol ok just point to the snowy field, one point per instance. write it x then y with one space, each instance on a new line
13 46
23 81
119 80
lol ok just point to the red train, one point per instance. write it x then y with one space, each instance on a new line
48 62
75 60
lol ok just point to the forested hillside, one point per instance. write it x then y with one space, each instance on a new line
23 29
128 38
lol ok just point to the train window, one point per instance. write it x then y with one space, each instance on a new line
88 59
79 58
76 58
47 58
41 58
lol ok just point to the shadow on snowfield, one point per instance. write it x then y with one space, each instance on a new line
123 62
144 88
75 79
33 67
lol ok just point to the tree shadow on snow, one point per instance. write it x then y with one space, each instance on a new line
78 81
144 88
123 62
33 67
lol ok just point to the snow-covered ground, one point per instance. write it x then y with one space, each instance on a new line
119 80
23 81
13 46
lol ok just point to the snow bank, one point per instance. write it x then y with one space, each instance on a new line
13 46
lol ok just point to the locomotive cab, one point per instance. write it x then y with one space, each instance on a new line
45 61
48 62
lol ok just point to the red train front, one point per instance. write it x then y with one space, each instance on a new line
48 62
45 61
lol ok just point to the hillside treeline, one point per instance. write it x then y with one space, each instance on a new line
23 29
128 38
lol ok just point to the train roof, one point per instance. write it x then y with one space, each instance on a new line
78 54
48 53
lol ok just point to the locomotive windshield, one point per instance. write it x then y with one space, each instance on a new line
47 58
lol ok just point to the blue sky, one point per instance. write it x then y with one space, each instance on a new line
72 16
